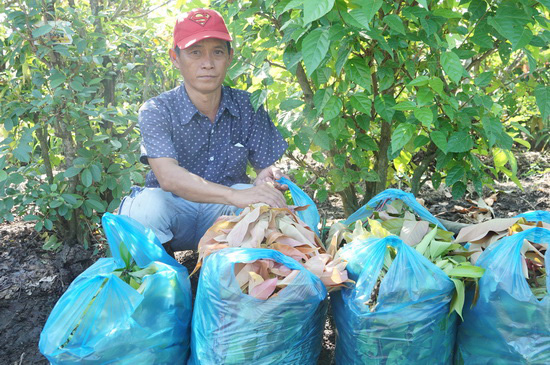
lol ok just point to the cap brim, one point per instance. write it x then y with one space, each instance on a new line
189 41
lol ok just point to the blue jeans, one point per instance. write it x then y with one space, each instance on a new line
173 218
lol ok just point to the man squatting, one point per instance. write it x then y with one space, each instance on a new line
198 139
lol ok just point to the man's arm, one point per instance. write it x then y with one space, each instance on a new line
175 179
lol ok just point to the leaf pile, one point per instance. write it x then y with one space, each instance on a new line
131 273
263 279
260 226
434 243
481 235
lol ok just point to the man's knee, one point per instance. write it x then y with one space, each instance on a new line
152 207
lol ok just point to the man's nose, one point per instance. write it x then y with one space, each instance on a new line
207 61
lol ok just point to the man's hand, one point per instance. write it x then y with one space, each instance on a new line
269 175
263 193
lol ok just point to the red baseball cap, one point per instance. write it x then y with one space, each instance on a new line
199 24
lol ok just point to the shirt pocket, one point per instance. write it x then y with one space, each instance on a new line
236 158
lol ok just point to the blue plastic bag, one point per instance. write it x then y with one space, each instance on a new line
411 323
100 319
386 197
310 216
508 324
536 216
230 327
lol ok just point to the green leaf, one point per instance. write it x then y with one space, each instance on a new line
424 115
3 175
454 174
322 139
72 171
314 9
459 188
511 22
48 224
419 81
493 129
333 108
367 11
57 78
424 96
69 199
367 143
321 98
384 107
477 8
467 270
362 103
94 204
436 84
38 226
460 142
402 135
86 177
446 13
440 140
395 23
422 246
257 98
290 104
405 105
30 217
457 303
359 73
452 66
314 49
420 141
542 96
483 79
42 30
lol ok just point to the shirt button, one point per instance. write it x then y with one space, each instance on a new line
211 159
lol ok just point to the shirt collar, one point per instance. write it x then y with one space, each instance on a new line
225 103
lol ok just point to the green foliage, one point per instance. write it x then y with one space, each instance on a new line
70 90
397 91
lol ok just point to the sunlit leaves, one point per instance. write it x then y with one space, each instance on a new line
452 66
314 49
44 29
257 98
402 135
424 115
359 73
510 21
542 95
395 23
314 9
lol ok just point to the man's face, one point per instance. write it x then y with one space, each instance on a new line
204 64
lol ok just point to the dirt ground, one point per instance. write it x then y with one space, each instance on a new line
32 279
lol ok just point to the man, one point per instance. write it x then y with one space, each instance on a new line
198 139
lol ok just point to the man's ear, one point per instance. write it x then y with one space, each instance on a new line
174 57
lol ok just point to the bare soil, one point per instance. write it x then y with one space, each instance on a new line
32 279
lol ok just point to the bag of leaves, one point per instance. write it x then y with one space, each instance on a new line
260 226
257 306
397 215
398 310
480 236
132 308
509 324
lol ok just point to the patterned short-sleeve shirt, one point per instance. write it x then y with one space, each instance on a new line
171 126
